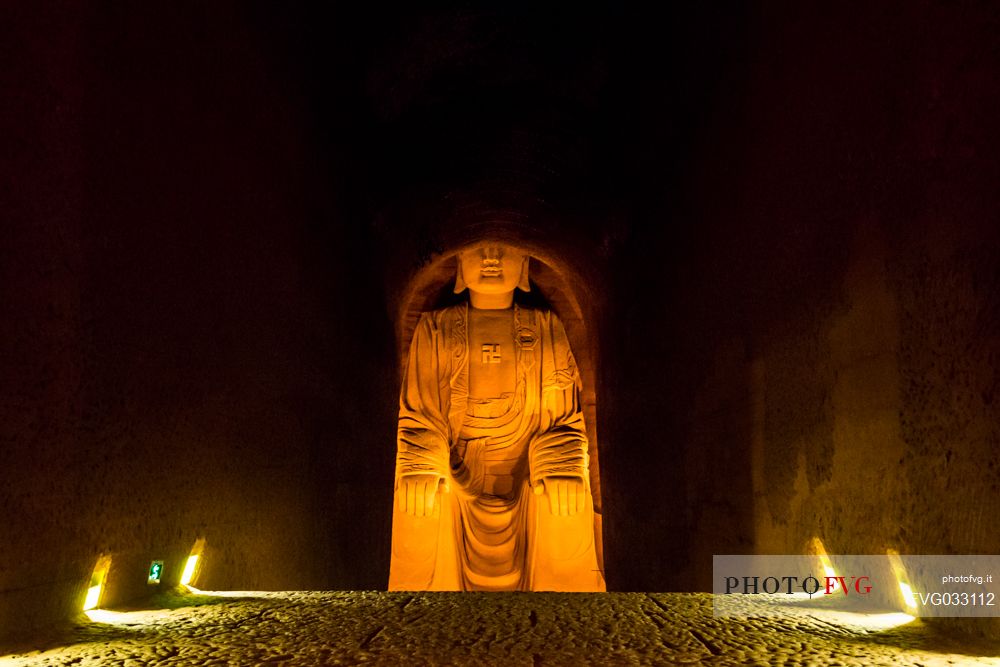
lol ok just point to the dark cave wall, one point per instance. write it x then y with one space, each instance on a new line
797 340
182 321
844 302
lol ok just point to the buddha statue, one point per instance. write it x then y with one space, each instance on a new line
492 490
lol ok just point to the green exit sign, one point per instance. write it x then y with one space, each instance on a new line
155 572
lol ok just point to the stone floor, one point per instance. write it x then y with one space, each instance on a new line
334 628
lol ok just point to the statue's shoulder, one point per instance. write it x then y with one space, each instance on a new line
445 318
455 316
536 316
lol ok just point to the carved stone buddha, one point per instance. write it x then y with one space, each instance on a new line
492 485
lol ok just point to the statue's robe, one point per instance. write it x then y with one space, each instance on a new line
473 540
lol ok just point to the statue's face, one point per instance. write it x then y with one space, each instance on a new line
491 268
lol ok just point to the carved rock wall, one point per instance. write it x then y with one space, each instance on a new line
185 352
863 340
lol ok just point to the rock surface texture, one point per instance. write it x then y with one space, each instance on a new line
335 628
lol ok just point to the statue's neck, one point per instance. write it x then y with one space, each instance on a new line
491 301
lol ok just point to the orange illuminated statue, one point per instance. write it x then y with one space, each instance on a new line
492 485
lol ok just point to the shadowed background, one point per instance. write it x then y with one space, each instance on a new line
786 219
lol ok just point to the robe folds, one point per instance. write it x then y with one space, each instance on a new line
474 540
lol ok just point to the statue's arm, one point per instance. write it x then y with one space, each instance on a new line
422 450
559 451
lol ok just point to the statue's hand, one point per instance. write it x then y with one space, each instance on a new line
567 495
417 493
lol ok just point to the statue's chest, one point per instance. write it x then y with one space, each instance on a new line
492 367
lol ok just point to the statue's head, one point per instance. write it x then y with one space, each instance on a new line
492 268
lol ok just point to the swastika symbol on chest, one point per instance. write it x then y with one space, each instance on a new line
491 353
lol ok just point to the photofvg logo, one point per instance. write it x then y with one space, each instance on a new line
746 586
789 585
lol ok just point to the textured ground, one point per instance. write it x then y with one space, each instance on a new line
485 629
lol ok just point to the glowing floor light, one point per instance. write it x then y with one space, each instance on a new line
191 566
816 547
899 571
93 597
908 596
97 579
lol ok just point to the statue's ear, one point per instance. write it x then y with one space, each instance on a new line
523 283
459 280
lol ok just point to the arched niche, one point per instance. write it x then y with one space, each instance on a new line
555 285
